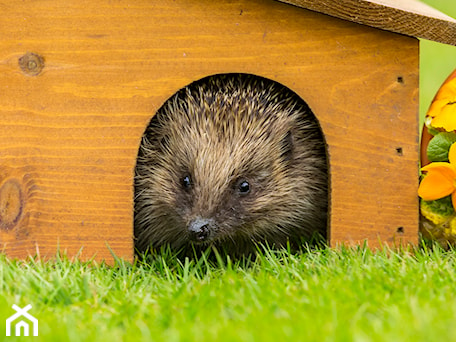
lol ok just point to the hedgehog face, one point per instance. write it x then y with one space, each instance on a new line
220 218
228 163
220 195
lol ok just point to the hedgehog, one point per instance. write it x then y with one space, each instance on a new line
231 161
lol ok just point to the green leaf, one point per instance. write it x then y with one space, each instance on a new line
442 207
439 146
433 131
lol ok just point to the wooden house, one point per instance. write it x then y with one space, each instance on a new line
80 81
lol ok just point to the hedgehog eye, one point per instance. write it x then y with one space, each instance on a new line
243 187
187 182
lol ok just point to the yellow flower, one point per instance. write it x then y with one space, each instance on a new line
440 180
442 113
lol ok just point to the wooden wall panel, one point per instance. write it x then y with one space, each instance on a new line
70 133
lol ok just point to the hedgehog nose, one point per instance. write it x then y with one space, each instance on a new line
199 229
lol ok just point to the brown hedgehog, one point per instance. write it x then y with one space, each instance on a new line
231 161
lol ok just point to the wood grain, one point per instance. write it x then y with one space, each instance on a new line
69 134
409 17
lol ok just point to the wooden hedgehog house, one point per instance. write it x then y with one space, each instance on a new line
80 81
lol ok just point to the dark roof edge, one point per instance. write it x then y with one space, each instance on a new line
409 17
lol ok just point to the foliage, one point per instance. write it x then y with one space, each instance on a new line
439 146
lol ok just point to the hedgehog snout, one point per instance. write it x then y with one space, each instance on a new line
200 228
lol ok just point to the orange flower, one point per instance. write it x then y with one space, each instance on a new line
440 180
442 113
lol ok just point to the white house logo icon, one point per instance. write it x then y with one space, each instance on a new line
22 325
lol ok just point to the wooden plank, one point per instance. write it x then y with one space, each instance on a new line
69 134
409 17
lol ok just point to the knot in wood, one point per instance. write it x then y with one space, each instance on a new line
31 64
11 204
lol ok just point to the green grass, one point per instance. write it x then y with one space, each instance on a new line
323 295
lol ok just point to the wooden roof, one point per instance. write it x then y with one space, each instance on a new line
409 17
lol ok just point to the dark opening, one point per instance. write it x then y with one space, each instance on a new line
237 157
